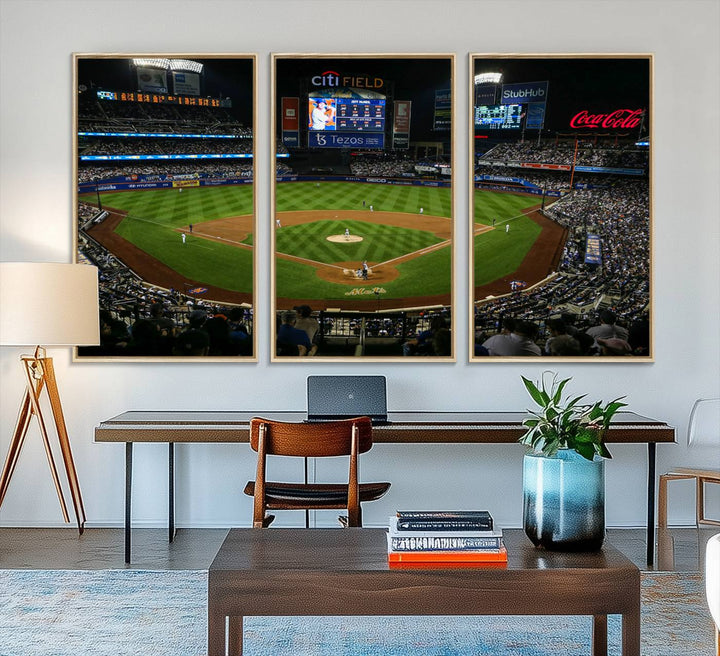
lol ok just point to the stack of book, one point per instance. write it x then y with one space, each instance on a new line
438 537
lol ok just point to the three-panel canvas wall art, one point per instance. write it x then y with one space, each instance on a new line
363 224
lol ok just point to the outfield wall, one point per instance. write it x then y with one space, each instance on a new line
403 182
125 183
534 191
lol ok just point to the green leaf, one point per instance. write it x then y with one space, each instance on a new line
587 451
575 401
558 393
534 392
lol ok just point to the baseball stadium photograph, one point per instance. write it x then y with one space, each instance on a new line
363 218
561 207
165 202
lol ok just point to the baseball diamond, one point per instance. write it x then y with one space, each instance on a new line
409 254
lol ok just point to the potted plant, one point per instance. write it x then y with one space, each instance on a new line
564 468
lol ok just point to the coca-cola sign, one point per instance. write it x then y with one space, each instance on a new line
618 119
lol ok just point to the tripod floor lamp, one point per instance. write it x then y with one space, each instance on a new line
46 304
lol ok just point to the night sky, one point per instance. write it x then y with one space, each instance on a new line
414 79
576 84
220 78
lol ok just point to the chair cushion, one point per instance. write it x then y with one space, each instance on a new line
298 495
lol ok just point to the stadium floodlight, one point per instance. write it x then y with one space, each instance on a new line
154 62
488 78
185 65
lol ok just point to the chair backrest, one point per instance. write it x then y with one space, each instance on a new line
704 423
313 439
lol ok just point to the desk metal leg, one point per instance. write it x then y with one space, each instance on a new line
128 497
171 491
651 505
307 478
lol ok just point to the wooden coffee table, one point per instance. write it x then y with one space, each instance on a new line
294 572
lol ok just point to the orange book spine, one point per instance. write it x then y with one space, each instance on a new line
487 556
467 564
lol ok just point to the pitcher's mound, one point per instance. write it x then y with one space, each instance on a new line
341 238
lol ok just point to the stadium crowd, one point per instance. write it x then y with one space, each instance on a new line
588 154
112 116
93 171
411 333
140 319
619 215
549 180
170 146
385 164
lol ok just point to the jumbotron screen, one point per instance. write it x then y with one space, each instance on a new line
346 114
498 117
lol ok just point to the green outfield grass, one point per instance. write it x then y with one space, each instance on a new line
302 196
174 209
500 206
497 253
380 242
154 214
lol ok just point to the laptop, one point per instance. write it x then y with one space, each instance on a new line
330 398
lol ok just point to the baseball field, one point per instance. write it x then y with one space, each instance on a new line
204 236
402 233
511 241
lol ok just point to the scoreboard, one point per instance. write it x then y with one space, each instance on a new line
161 99
360 115
498 117
346 114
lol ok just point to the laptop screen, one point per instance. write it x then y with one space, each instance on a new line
340 397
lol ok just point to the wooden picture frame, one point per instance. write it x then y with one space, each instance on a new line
560 244
362 207
165 203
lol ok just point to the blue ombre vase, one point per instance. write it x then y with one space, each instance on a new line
564 501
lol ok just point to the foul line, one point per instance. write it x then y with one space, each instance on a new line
422 251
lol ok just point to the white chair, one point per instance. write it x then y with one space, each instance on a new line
712 584
703 430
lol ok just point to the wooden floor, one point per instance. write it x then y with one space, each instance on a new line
680 549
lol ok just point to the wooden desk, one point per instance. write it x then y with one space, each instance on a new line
278 572
404 427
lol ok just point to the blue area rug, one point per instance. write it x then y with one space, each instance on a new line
131 612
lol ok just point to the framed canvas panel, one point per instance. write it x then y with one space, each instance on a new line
561 207
363 207
164 197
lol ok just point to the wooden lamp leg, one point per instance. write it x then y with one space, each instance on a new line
64 440
39 374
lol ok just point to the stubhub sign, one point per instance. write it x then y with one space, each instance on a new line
526 92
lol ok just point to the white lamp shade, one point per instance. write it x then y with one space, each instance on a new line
48 304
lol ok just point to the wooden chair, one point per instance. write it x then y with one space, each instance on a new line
703 429
349 437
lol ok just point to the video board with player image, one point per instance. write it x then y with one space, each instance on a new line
346 114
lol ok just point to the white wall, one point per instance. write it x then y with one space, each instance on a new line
38 37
